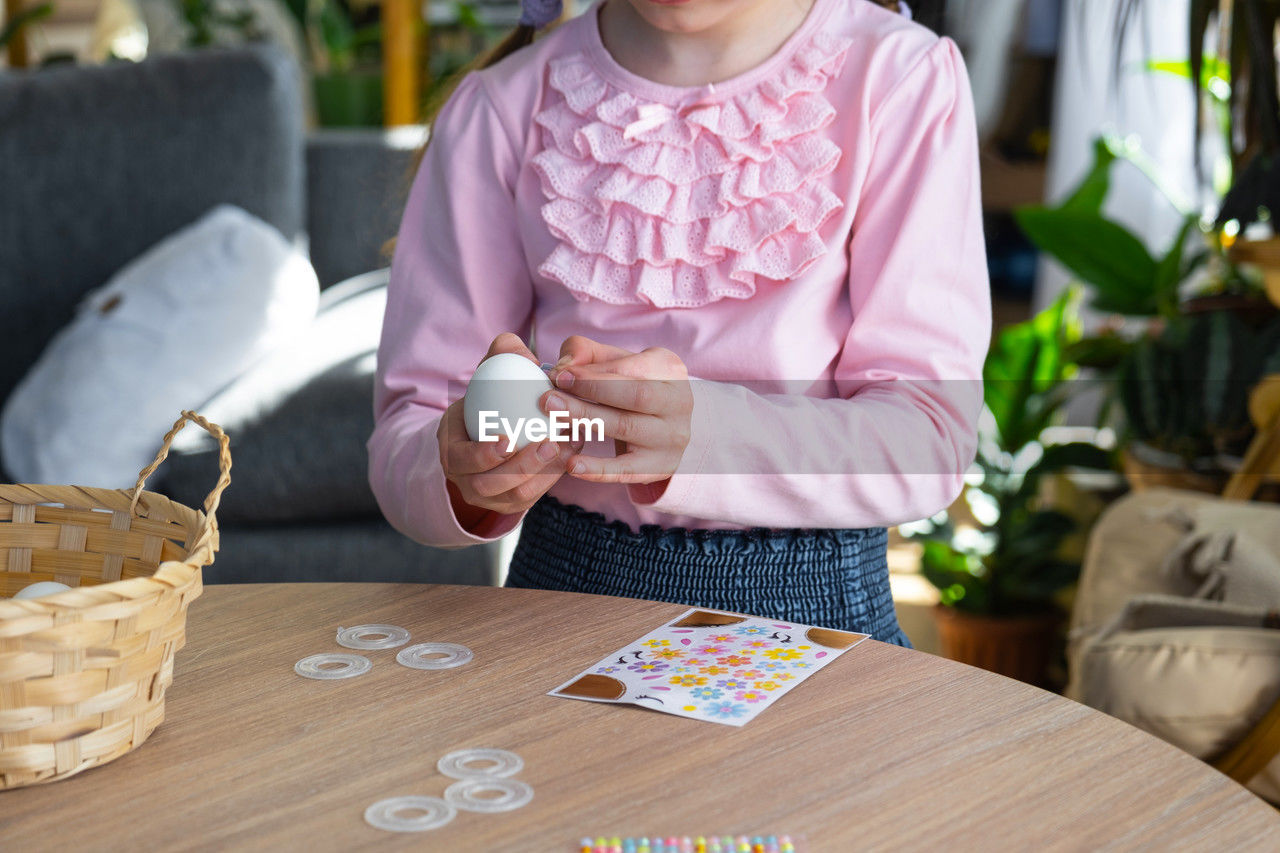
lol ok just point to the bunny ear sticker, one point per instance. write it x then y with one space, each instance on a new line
833 639
707 619
595 687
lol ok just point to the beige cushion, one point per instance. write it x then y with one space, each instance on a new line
1169 632
1130 547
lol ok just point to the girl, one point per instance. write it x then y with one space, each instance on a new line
777 197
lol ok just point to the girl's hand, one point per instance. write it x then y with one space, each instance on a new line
643 398
483 477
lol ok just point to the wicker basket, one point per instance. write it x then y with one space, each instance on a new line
83 673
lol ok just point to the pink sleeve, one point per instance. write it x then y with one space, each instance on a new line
894 445
459 278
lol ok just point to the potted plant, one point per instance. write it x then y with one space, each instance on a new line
11 31
999 580
1192 331
344 51
1239 81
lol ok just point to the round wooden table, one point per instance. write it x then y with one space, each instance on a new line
883 749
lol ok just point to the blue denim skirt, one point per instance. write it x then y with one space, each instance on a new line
830 578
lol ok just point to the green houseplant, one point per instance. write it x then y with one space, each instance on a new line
1246 62
1239 78
998 582
344 51
12 27
1192 331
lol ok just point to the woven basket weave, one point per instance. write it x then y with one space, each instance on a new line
83 673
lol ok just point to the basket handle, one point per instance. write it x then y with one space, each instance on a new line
224 467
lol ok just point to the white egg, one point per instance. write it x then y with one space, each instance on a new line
511 386
43 588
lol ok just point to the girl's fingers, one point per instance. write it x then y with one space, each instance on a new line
648 396
633 467
459 454
630 426
524 495
511 343
651 363
475 457
515 472
578 349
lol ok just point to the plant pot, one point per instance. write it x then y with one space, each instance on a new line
1019 647
1145 467
349 98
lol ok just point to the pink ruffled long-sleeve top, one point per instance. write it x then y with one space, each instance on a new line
806 236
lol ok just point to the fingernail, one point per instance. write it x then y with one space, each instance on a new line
579 467
564 379
564 359
556 403
547 451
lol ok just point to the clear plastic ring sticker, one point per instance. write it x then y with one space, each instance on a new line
409 814
372 637
480 763
478 795
434 656
332 665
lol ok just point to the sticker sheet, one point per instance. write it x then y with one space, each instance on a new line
719 667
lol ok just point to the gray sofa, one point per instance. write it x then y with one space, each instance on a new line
98 164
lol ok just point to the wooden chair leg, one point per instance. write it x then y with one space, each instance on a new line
1263 456
1250 756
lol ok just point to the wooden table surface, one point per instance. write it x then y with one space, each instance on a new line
882 749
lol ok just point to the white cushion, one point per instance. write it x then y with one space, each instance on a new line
346 329
166 333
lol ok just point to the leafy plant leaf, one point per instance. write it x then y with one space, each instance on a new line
1171 272
1103 352
1097 251
22 19
1092 190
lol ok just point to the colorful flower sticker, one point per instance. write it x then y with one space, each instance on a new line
647 666
726 710
726 673
688 680
733 683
